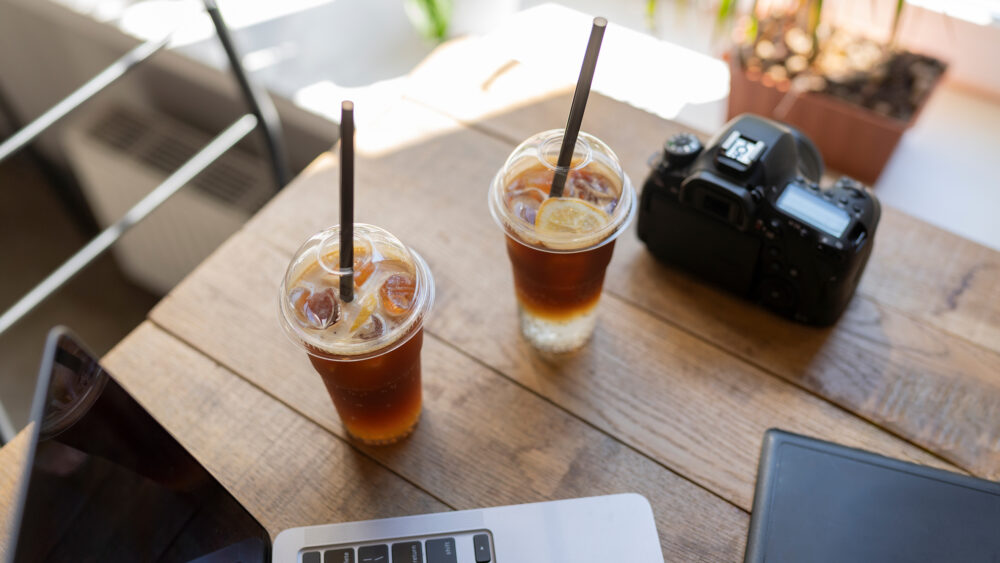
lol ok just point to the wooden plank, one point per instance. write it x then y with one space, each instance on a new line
482 440
901 356
286 470
12 457
937 277
692 407
925 272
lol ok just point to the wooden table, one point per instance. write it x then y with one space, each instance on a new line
670 398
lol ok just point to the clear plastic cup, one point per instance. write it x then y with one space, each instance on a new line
367 350
559 248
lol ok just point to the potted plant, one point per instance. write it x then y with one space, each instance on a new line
853 96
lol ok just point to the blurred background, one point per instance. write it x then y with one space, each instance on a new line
668 57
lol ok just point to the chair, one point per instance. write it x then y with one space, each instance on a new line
261 112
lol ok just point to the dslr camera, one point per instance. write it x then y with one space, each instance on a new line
747 213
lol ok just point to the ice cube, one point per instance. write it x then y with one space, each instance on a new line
373 328
537 178
397 294
363 264
593 189
315 309
524 203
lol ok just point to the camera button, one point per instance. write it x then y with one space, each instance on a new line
857 208
774 267
855 192
843 200
774 252
777 293
793 272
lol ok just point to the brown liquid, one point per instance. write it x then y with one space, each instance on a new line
557 285
378 398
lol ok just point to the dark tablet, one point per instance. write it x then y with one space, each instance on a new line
816 501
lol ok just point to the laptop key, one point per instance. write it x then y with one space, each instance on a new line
339 556
441 550
481 543
407 552
373 554
310 557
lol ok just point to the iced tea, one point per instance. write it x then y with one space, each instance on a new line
560 247
366 350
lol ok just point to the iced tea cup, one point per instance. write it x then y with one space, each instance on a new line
367 350
560 247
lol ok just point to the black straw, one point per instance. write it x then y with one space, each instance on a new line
578 106
347 201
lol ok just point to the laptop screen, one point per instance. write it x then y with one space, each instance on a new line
106 482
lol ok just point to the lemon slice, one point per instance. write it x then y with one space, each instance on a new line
367 308
569 215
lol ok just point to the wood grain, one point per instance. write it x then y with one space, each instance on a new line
482 439
12 457
687 404
917 350
925 272
286 470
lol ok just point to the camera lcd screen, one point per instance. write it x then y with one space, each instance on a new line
813 210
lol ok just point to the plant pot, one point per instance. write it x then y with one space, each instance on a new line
852 139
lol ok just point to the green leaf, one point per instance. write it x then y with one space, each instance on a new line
431 17
895 21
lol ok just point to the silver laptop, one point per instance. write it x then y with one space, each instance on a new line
105 482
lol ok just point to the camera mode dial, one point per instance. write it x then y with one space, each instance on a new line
850 187
681 149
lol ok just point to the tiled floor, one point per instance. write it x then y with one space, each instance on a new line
36 235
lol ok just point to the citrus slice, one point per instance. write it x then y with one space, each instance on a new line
367 304
569 215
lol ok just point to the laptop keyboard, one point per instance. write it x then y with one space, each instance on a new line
472 547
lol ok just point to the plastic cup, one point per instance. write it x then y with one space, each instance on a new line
559 248
367 351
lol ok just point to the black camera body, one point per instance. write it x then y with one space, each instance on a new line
747 213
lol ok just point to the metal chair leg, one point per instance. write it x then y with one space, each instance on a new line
7 430
223 142
257 99
119 68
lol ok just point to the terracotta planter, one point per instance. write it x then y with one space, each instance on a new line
853 140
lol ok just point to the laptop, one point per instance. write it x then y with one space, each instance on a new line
818 501
105 482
